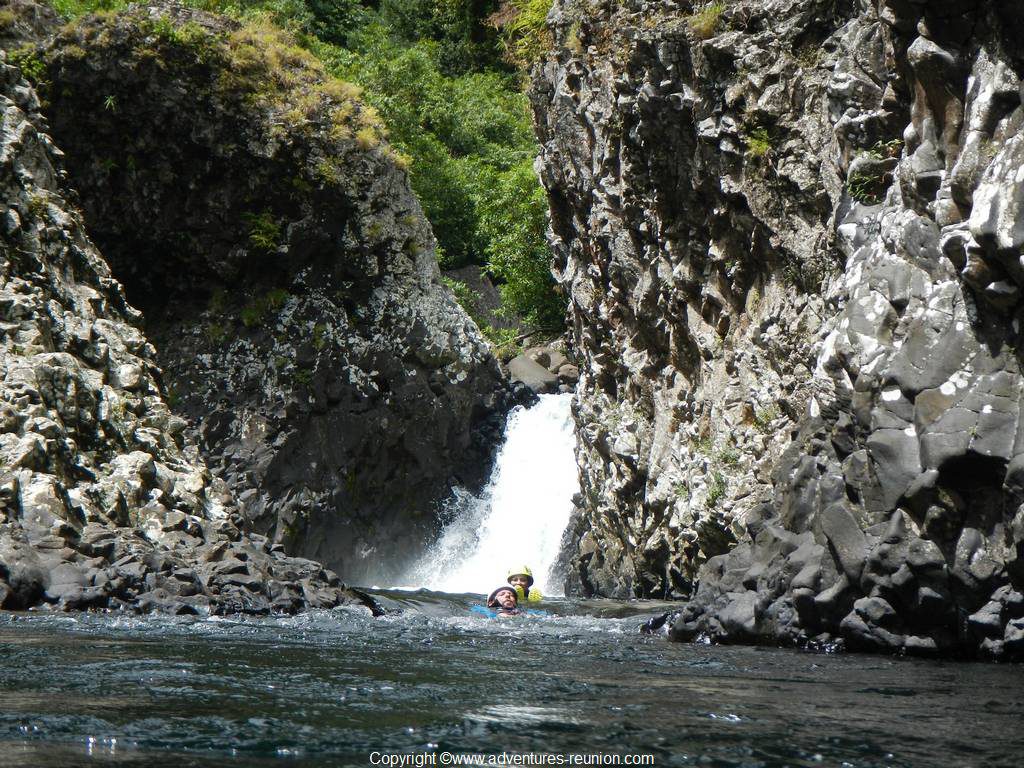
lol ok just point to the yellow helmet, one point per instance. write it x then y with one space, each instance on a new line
521 571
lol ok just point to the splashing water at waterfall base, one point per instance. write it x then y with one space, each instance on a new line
521 514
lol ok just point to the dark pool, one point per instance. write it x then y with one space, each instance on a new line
433 683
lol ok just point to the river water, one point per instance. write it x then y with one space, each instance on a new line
335 688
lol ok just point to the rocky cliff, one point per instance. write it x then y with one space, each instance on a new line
792 237
258 219
103 502
297 380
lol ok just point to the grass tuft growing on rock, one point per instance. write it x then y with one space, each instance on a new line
759 143
254 312
716 489
255 60
32 67
524 28
264 231
266 65
705 22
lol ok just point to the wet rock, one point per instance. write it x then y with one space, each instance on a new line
532 374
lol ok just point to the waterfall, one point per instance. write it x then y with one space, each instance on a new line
521 514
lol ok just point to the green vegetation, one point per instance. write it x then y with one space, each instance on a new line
730 457
470 150
506 345
704 445
32 67
255 311
216 333
218 301
252 314
466 296
186 35
526 34
319 336
716 489
763 418
867 188
887 149
705 22
759 143
440 74
172 397
869 185
38 205
264 231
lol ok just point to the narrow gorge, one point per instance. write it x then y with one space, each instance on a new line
789 235
511 382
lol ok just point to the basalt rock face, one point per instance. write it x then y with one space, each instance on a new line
287 278
103 502
792 235
685 255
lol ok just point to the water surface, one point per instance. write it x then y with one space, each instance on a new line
329 688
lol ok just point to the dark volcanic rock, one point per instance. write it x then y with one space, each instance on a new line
792 236
103 503
286 276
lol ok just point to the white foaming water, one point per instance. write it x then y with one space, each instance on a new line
521 515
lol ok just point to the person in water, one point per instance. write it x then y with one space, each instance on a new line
505 601
522 579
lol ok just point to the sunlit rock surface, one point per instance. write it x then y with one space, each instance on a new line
792 237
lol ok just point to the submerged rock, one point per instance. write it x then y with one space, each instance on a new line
789 235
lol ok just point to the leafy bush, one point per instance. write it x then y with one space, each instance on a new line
334 20
513 223
466 42
471 147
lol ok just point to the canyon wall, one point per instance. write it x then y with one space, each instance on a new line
286 274
791 233
226 347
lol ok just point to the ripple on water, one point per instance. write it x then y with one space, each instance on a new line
326 688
